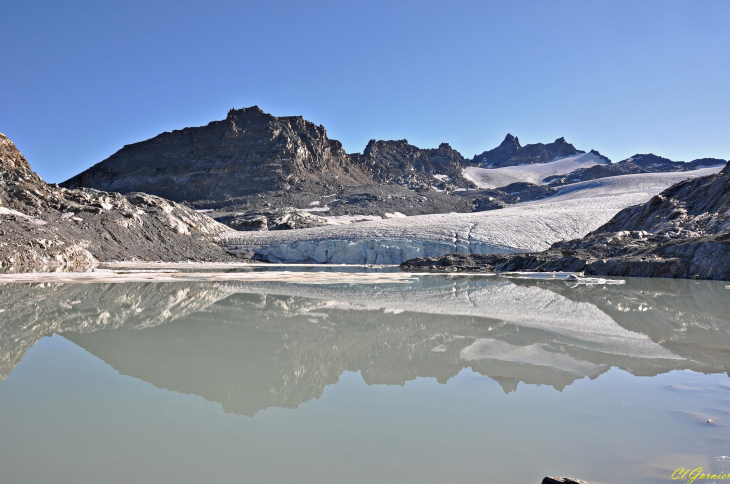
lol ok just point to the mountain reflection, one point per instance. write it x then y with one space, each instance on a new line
251 346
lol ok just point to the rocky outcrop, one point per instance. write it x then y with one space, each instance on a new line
47 227
648 163
276 219
492 199
416 168
247 153
511 153
683 232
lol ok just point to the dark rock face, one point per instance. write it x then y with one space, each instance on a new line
511 153
683 232
407 165
277 219
513 193
247 153
649 163
46 227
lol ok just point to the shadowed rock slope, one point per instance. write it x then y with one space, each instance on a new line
682 232
46 227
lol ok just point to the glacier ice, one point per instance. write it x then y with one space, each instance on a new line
573 212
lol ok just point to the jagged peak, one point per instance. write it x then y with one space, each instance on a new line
511 140
253 110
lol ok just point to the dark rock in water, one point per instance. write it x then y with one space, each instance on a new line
563 480
683 232
249 152
46 227
277 219
407 165
511 153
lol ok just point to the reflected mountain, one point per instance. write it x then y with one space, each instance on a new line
251 346
29 312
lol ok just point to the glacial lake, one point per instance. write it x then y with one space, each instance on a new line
418 379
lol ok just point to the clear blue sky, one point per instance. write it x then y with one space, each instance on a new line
80 79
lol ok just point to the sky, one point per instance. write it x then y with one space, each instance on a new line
80 79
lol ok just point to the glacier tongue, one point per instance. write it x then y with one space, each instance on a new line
527 227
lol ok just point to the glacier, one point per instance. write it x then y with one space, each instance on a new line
574 211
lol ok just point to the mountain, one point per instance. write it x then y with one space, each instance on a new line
46 227
253 167
511 153
407 165
247 153
682 232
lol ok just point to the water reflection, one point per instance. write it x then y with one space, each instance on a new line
251 346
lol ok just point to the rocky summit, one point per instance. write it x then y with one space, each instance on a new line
682 232
248 153
407 165
47 227
511 153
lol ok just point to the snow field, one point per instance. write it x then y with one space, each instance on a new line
535 173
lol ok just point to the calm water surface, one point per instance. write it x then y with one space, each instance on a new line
473 380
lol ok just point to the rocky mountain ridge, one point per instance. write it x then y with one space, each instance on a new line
647 163
253 162
510 153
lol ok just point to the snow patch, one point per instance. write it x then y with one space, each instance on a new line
10 211
535 173
348 219
315 209
534 354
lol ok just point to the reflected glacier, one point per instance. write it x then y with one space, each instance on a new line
255 345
